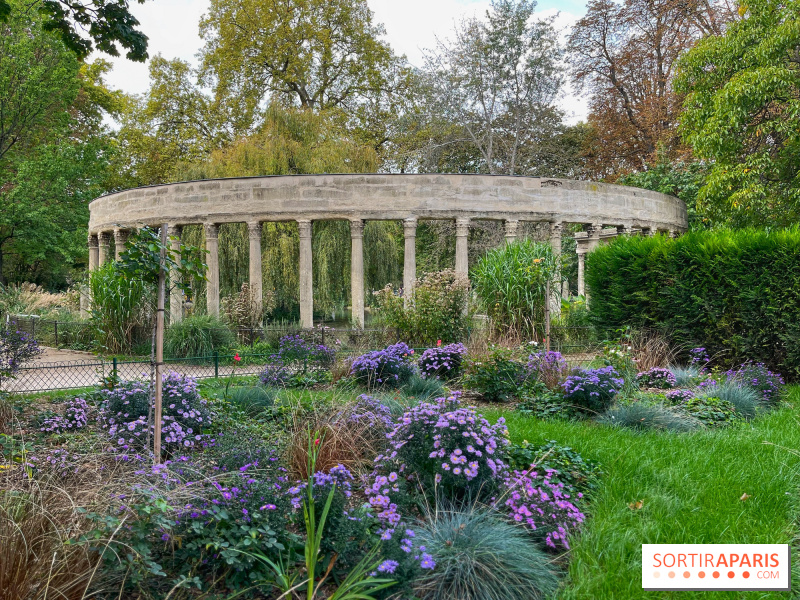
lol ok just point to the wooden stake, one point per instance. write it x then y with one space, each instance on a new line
162 285
547 316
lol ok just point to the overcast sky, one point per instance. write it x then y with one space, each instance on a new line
411 25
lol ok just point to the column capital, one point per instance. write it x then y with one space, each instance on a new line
357 228
410 227
104 238
304 227
93 241
624 229
462 227
121 235
594 229
556 228
211 230
254 230
175 229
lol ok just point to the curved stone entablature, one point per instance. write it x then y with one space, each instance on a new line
383 197
371 197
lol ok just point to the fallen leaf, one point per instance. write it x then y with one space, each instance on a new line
744 497
636 505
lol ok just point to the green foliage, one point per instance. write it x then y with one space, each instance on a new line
197 336
641 416
737 293
119 306
544 403
510 283
677 178
436 312
686 376
711 411
742 115
497 377
107 23
478 555
573 470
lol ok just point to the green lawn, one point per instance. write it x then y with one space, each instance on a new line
690 486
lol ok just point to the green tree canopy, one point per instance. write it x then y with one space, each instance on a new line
742 112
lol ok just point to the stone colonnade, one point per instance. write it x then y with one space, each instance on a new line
358 198
99 245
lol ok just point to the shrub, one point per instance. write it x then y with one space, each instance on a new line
545 505
232 449
75 417
16 348
497 377
700 288
640 415
746 400
198 336
548 367
657 377
711 411
437 309
442 362
184 413
686 376
439 445
679 396
298 363
390 367
252 400
510 283
564 464
592 390
759 378
479 556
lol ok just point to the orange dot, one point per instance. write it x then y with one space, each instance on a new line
746 574
716 574
731 574
656 575
702 574
671 574
686 574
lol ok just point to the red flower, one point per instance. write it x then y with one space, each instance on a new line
237 358
316 442
438 342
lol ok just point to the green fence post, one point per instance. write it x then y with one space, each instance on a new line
216 364
55 328
114 368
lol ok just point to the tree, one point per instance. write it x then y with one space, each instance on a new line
53 151
104 23
625 55
323 55
498 79
743 115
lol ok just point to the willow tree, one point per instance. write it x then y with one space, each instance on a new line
292 142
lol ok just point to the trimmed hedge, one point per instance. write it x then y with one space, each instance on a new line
737 293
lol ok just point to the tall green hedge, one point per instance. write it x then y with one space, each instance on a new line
737 293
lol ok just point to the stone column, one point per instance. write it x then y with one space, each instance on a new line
306 275
120 239
409 258
462 246
256 274
103 248
175 293
212 275
581 269
594 235
511 227
556 229
357 272
93 259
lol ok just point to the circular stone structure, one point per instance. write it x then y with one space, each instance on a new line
362 197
